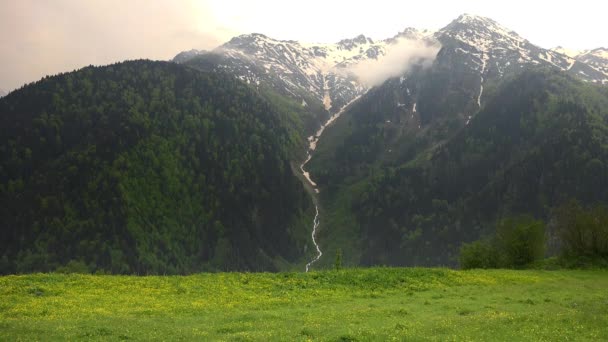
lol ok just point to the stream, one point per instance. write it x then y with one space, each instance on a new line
312 146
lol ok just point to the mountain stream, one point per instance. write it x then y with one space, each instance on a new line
312 146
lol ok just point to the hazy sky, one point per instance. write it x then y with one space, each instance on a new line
43 37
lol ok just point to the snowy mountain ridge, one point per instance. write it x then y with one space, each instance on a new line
596 58
497 49
323 71
316 68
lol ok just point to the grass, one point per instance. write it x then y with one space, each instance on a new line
350 305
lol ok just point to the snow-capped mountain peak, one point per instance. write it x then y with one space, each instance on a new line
496 50
479 44
568 52
349 44
412 33
482 33
597 59
601 52
295 68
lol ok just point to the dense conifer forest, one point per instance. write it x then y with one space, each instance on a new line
149 168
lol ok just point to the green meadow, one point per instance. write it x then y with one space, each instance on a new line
377 304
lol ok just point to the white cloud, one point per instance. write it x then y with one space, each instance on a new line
397 60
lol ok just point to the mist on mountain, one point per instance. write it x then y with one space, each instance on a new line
399 58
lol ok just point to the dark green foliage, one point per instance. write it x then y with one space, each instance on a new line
74 267
147 167
519 241
583 233
308 117
478 254
338 261
541 138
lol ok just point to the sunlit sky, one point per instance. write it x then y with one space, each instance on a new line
44 37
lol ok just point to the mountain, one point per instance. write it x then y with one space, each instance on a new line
499 50
185 166
567 52
322 70
299 70
149 168
187 55
476 52
424 106
2 93
597 59
403 123
540 140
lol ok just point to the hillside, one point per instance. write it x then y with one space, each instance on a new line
386 194
149 168
411 196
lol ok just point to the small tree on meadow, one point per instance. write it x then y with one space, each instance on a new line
521 240
338 261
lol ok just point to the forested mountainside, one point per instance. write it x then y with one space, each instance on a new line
403 122
150 168
160 167
540 140
304 107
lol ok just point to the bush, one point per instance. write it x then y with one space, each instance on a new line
583 233
519 241
478 254
74 266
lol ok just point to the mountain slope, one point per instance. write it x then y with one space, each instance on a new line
147 167
541 140
596 58
290 68
410 190
423 107
404 120
322 71
497 51
302 71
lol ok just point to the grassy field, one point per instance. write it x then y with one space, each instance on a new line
351 305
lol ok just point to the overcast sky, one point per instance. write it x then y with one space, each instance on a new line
44 37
